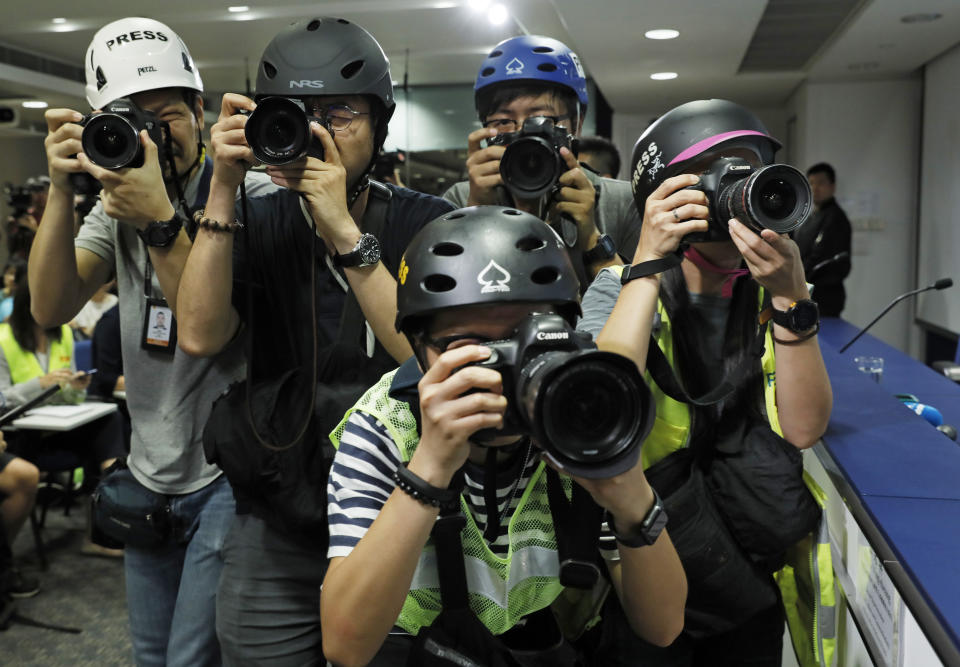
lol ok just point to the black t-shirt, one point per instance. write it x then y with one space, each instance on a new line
275 247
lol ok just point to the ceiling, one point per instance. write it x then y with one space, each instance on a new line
434 42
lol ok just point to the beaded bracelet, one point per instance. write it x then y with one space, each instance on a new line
421 490
216 225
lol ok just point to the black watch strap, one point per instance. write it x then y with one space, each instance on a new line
650 528
605 249
421 490
161 233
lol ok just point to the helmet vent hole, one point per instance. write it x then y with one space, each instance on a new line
313 25
547 67
343 21
487 71
269 70
439 283
447 249
545 275
496 53
543 49
351 69
531 243
512 211
454 216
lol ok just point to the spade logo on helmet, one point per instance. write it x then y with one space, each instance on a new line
494 278
307 83
515 66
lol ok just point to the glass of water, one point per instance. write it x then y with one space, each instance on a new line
873 366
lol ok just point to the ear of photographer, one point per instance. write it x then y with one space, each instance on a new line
142 142
531 96
308 287
738 381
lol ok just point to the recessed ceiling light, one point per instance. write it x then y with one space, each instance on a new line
921 17
34 104
662 33
498 14
663 76
59 20
236 9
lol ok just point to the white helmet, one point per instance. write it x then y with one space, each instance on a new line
137 54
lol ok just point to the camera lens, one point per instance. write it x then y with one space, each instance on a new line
530 167
587 406
111 141
776 197
278 131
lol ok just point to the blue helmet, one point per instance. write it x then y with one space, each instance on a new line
532 58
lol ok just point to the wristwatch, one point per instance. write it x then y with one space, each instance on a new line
800 317
605 249
650 528
160 234
365 253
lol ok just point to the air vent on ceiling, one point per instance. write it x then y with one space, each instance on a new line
35 63
790 32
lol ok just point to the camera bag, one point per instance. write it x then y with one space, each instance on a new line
125 510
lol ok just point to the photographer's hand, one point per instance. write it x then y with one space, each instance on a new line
450 415
136 196
774 262
483 166
323 183
577 199
231 154
62 143
670 213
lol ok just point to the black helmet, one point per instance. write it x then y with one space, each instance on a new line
686 132
484 254
328 56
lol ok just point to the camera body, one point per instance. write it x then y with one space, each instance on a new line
590 410
19 199
776 197
278 131
531 163
111 137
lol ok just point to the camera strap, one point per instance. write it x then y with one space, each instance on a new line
352 320
577 526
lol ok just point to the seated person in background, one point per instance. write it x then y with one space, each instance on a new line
18 491
600 155
13 273
550 86
394 470
102 300
33 359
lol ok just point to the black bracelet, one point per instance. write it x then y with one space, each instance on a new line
651 267
797 341
422 491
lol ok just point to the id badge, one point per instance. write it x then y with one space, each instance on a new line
159 327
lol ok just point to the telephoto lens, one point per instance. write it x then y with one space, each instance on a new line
776 197
278 131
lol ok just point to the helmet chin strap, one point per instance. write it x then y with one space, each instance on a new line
179 181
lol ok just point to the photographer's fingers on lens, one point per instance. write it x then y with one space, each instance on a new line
476 138
331 154
58 117
232 103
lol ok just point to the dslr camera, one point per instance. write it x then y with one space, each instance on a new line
776 197
111 137
278 131
19 199
532 164
590 410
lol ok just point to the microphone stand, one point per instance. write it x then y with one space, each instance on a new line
943 283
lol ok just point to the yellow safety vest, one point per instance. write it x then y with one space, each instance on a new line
24 365
811 618
501 590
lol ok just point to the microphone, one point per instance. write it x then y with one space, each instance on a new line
928 412
943 283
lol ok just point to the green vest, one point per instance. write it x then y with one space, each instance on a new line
806 582
501 590
24 365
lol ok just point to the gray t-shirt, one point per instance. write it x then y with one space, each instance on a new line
169 396
616 213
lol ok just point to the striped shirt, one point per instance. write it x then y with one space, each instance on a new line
361 481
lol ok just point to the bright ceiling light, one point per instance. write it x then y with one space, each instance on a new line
59 20
662 33
663 76
34 104
479 5
498 14
236 9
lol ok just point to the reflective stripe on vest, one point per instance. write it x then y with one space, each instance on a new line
24 365
811 618
501 590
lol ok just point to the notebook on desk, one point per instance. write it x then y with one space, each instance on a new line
9 416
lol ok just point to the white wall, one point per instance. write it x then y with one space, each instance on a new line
939 242
870 133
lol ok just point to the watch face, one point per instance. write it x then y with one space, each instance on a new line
804 315
369 249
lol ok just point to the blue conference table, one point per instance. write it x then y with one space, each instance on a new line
904 473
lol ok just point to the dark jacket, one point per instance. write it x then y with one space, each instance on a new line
824 243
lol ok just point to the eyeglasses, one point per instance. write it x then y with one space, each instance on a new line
443 343
512 125
338 116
